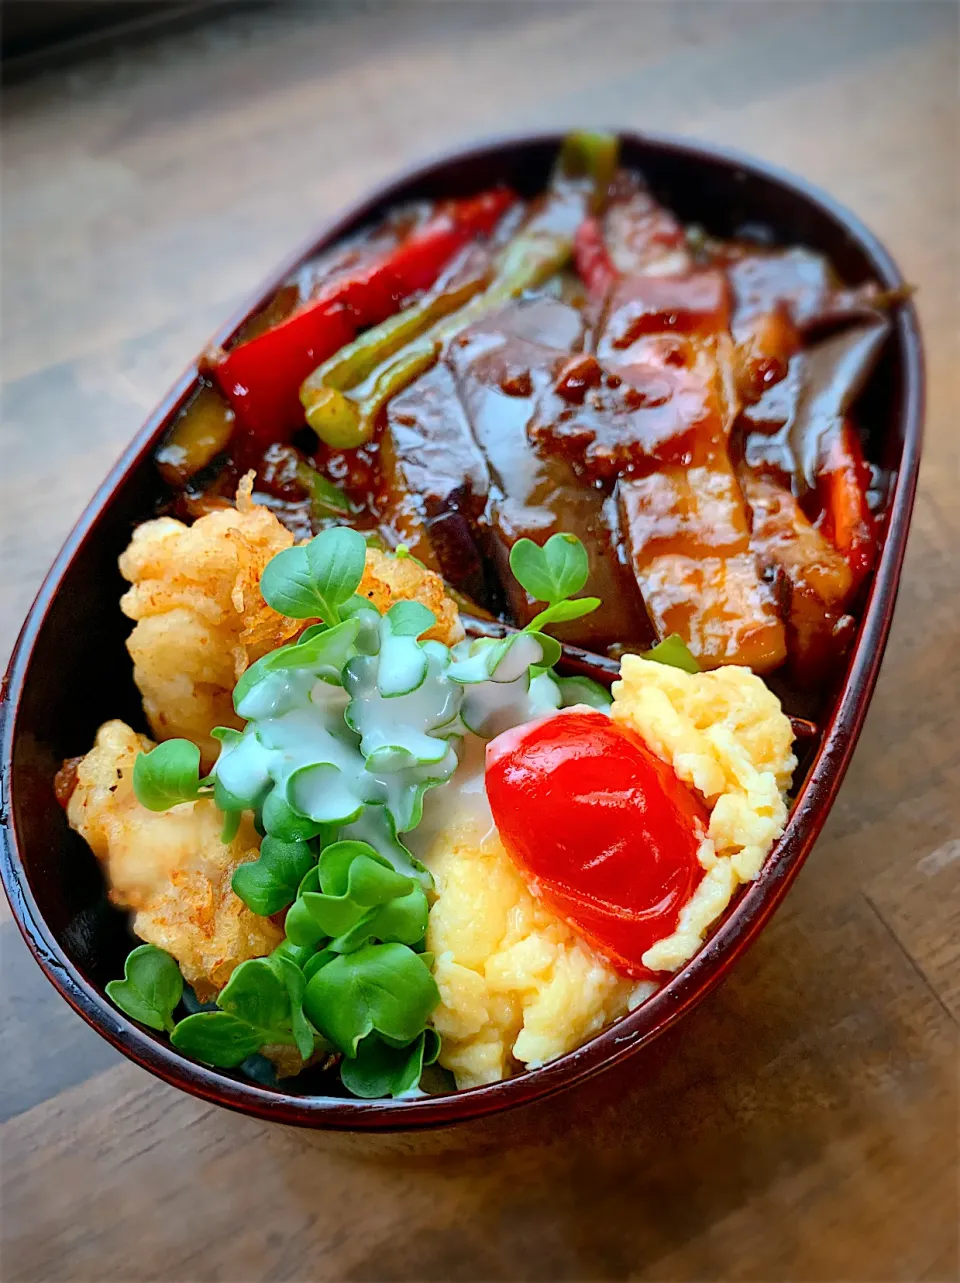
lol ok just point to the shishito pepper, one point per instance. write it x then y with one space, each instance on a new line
261 378
343 410
327 409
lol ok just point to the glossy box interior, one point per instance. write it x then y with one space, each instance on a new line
70 670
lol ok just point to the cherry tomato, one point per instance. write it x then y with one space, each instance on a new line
602 829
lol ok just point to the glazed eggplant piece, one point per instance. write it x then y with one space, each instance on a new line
501 366
435 482
792 424
685 523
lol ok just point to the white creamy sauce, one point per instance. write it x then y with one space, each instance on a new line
329 751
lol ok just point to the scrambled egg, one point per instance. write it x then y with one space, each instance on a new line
725 734
169 867
517 985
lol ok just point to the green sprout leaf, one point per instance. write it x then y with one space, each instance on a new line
296 953
382 1070
227 736
551 573
410 619
281 821
563 611
313 580
261 1004
550 648
151 988
295 983
674 652
324 652
376 825
402 665
316 961
167 775
256 994
402 920
383 987
231 825
217 1038
288 586
322 792
268 884
355 897
336 560
583 690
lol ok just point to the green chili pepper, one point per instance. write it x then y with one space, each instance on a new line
332 415
343 411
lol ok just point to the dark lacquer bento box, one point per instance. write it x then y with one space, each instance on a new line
70 669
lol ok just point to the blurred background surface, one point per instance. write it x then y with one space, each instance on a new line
802 1125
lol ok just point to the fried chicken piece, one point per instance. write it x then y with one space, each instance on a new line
201 620
388 579
170 868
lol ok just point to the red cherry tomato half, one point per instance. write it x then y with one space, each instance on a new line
600 827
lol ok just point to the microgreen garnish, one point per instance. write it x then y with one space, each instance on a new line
151 988
551 573
583 690
231 826
314 579
260 1006
674 652
268 884
383 987
403 664
355 896
167 775
380 1069
217 1038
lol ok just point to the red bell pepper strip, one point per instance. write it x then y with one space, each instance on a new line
261 378
592 258
843 479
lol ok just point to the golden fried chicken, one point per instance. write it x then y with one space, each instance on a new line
170 868
201 620
388 579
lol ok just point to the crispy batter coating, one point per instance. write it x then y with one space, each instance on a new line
170 868
387 579
201 620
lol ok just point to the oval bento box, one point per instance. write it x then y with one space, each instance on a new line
70 669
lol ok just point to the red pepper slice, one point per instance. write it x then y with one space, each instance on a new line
842 482
601 828
592 258
261 378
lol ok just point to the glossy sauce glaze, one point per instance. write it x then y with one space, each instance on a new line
679 403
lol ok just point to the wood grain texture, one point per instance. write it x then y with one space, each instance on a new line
803 1123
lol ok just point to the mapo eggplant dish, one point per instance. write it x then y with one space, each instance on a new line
390 820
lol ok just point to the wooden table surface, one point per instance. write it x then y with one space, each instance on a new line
802 1124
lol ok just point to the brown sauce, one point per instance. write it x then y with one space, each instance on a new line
676 425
